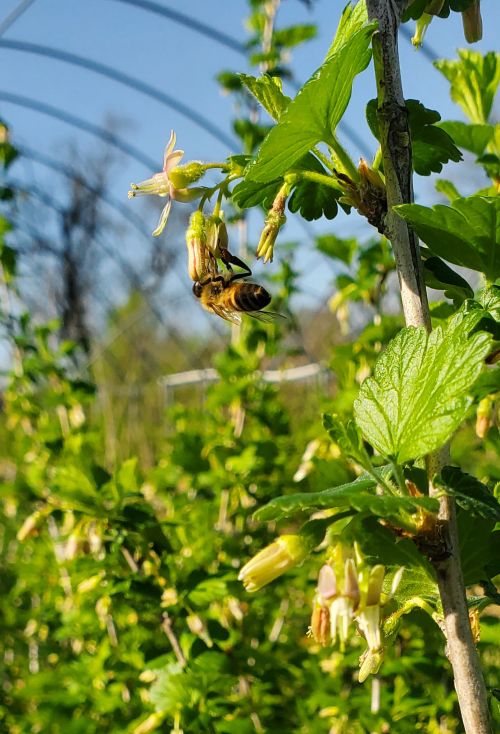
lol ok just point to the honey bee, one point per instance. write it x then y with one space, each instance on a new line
223 296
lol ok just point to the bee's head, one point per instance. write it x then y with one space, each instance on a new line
197 289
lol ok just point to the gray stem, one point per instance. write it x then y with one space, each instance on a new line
397 158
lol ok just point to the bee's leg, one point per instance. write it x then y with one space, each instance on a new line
228 259
213 279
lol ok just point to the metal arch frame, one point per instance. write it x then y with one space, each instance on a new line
118 76
72 174
98 131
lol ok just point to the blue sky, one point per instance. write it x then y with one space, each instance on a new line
183 64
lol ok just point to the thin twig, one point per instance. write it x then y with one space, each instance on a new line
167 628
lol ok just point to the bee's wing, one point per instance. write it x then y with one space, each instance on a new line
226 314
266 316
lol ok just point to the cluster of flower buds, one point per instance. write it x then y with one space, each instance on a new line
368 194
171 182
274 221
349 590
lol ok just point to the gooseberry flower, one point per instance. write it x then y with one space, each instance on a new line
285 553
196 243
160 184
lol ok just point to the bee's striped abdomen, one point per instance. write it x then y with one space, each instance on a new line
251 297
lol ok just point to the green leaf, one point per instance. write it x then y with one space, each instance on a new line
417 396
440 276
474 138
337 248
348 438
488 383
466 233
489 298
74 489
268 91
479 544
230 81
293 35
314 200
316 111
491 164
474 80
431 146
414 10
358 495
470 493
353 19
448 189
248 194
207 591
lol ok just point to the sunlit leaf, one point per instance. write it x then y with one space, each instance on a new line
466 233
316 111
418 395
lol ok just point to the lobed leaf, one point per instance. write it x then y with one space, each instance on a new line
358 495
316 111
268 91
474 80
431 145
473 138
466 233
314 200
337 248
470 493
418 395
479 544
440 276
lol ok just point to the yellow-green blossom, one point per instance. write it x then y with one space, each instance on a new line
160 184
285 553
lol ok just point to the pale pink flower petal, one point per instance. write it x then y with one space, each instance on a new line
163 219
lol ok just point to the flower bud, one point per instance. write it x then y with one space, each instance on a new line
472 22
285 553
272 226
369 176
182 176
217 236
420 29
320 622
370 664
483 417
274 221
30 525
196 242
150 724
